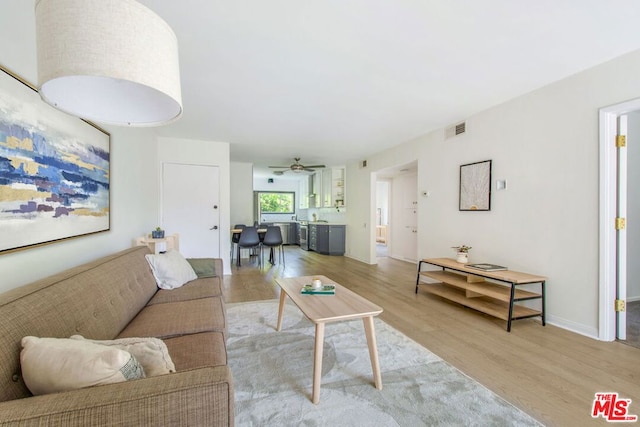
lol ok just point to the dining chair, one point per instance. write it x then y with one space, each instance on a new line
235 238
249 240
273 238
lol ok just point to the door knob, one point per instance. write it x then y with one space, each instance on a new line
215 227
215 206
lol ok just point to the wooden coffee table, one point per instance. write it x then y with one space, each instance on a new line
321 309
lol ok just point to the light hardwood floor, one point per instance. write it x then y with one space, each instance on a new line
548 372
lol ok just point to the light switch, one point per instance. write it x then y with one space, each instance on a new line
501 184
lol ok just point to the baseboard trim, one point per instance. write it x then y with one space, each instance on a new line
578 328
358 259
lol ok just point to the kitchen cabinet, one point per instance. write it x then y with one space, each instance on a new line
289 232
313 237
329 187
315 181
338 187
326 188
328 239
294 234
304 193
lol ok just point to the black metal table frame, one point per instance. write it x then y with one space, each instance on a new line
512 285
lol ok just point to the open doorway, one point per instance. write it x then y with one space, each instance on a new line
620 205
402 218
633 229
383 189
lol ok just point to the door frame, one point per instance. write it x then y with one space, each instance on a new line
608 120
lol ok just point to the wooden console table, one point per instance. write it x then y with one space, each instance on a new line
158 245
469 287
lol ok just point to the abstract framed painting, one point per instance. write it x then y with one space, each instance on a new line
475 186
54 170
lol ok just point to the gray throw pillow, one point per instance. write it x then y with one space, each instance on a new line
204 267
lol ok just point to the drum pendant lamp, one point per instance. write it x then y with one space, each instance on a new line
109 61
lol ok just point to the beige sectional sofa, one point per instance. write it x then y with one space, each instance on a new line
115 297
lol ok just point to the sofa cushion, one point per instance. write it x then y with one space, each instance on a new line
151 353
51 365
197 350
171 270
196 289
178 318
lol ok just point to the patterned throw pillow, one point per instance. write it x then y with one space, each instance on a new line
51 365
151 353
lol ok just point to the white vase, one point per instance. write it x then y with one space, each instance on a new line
463 257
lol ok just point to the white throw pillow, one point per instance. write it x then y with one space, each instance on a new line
51 365
171 269
151 353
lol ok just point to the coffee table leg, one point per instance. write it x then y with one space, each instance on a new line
283 295
317 362
373 350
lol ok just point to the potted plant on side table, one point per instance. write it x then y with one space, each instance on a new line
462 253
158 233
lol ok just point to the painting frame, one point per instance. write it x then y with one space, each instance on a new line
55 171
474 192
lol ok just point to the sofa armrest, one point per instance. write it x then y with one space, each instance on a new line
201 396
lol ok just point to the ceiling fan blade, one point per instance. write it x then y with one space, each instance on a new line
315 166
309 170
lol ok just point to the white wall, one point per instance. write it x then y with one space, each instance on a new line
134 198
197 152
633 207
361 190
242 193
545 144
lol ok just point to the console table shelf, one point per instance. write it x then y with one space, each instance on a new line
469 287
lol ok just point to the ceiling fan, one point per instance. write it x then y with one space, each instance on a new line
296 167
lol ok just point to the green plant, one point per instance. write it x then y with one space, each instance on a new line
158 229
462 248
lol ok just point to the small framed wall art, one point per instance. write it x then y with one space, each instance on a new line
475 186
54 170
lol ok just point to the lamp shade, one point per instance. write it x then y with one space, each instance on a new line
109 61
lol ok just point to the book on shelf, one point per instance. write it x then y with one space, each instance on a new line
323 290
487 267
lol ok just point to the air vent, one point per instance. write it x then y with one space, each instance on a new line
455 130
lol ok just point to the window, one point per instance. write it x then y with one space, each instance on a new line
283 202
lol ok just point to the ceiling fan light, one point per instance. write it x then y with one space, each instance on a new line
110 61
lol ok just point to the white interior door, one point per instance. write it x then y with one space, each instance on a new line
190 207
621 234
404 224
611 287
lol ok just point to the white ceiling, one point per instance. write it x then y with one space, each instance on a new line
333 81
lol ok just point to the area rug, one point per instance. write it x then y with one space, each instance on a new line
273 377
